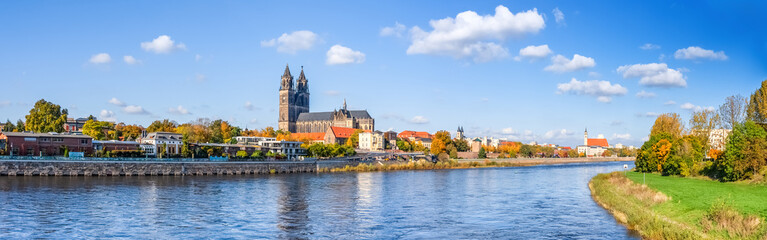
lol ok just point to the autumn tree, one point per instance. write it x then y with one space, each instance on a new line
354 139
757 105
97 129
702 122
128 132
669 123
162 126
46 117
733 111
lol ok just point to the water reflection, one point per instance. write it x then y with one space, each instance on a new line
543 202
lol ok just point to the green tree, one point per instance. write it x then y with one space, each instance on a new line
20 126
8 127
403 145
482 153
241 154
46 117
461 145
257 154
97 129
650 158
745 152
757 105
526 150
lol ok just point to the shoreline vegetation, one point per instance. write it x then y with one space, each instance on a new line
670 207
462 164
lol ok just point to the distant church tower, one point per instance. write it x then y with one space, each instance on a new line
459 133
586 137
293 100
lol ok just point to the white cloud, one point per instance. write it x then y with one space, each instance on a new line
654 75
557 134
134 109
332 93
200 77
670 102
533 52
117 102
646 138
250 107
293 42
338 54
559 17
100 58
197 57
616 123
696 108
131 60
624 136
5 103
469 35
397 30
419 120
107 115
180 110
595 75
694 52
162 44
603 90
508 131
645 94
561 64
649 46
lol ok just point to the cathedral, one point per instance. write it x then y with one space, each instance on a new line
296 118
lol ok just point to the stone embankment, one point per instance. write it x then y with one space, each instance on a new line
158 168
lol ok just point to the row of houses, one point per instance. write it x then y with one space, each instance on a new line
150 145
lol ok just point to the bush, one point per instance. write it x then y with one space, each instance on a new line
125 153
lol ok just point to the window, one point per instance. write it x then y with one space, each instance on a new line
58 139
84 141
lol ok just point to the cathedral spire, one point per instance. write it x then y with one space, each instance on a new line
287 71
344 107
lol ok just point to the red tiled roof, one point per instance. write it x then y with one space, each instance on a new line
597 142
343 132
409 134
315 136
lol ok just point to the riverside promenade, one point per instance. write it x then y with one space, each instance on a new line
142 167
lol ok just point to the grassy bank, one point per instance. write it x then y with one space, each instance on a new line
422 165
683 208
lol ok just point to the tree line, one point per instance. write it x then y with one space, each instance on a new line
673 149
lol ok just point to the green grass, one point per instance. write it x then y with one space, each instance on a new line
670 207
692 198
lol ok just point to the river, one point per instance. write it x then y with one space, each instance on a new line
539 202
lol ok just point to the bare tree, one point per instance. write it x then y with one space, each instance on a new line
733 111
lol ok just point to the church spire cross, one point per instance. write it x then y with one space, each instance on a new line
287 71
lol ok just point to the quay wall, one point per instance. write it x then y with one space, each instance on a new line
142 168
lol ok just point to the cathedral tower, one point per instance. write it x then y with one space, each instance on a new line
302 94
288 115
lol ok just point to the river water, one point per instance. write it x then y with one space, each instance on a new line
540 202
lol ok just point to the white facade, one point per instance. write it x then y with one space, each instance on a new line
717 138
591 151
292 150
371 141
171 141
252 140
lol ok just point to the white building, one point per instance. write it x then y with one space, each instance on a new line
372 141
153 142
717 138
247 140
593 147
292 150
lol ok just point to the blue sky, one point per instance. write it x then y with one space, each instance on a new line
610 66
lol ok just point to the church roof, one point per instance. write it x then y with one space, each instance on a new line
408 134
343 132
313 136
325 116
302 77
597 142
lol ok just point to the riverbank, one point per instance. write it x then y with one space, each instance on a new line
466 163
683 208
